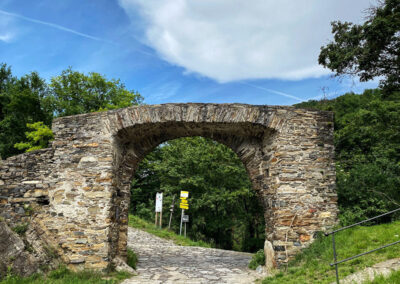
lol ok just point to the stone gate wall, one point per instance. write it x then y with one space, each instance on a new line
80 186
24 185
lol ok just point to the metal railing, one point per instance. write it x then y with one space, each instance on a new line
336 262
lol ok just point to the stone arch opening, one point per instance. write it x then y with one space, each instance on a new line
134 143
178 164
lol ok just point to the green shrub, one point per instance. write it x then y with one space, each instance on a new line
258 259
132 258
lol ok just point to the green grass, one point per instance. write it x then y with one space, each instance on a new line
132 258
139 223
312 265
393 278
257 259
63 275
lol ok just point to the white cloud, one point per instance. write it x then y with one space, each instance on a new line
231 40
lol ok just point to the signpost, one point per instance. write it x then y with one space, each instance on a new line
159 200
171 211
184 205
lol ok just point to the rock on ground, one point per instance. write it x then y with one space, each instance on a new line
161 261
13 255
368 274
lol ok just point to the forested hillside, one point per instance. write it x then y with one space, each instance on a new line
367 141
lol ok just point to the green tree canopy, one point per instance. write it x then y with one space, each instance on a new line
38 138
20 103
29 99
369 50
74 93
367 144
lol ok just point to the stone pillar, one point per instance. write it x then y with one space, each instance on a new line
301 180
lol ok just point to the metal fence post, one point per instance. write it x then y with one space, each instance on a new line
335 258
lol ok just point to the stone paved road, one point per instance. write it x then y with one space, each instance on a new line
161 261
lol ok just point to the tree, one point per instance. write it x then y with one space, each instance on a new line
38 137
20 103
367 145
74 93
369 50
26 101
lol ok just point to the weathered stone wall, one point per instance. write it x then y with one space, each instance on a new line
85 176
24 185
299 180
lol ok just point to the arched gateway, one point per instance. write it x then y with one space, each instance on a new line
79 188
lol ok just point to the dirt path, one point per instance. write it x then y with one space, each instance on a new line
161 261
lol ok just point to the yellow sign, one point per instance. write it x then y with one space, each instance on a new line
184 206
184 194
184 201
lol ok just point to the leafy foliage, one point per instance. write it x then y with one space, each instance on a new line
38 138
367 143
74 93
29 102
257 259
20 103
223 208
370 49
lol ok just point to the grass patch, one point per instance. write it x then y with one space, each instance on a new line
20 229
257 259
312 265
136 222
132 258
393 278
62 275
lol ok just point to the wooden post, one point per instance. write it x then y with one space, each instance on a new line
156 219
180 228
160 219
171 211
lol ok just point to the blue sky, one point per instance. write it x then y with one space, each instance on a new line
221 51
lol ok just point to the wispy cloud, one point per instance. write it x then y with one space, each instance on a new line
55 26
279 93
68 30
7 37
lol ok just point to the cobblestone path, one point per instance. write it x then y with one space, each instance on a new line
161 261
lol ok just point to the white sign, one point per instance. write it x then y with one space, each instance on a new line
184 194
159 197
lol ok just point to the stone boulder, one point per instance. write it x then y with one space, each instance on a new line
13 254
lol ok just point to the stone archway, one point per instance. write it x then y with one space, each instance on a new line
287 152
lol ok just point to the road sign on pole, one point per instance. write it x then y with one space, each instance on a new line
184 205
159 200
